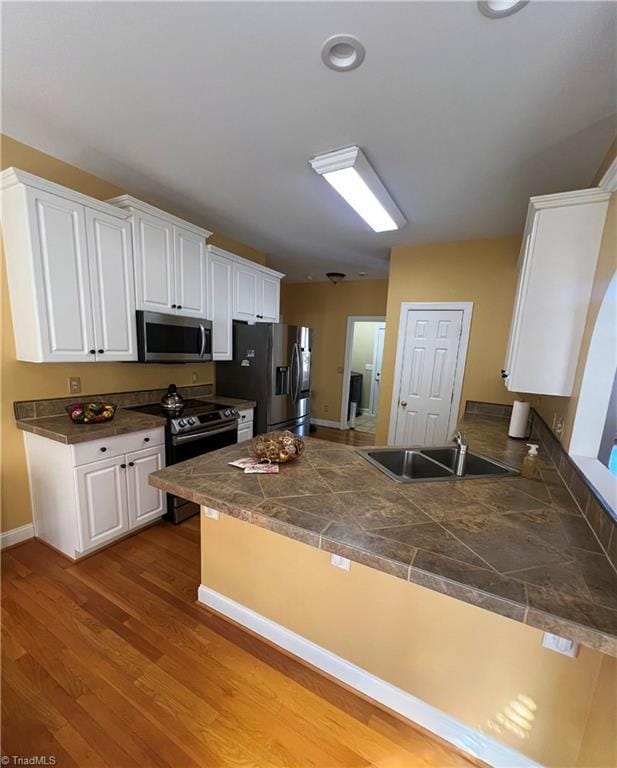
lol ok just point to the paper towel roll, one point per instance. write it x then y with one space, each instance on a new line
519 422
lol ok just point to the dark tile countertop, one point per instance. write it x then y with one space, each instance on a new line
60 428
517 547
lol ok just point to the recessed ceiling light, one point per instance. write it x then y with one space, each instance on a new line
498 9
352 176
342 53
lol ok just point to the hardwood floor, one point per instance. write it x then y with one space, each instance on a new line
347 436
110 662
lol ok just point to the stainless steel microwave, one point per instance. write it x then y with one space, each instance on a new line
173 339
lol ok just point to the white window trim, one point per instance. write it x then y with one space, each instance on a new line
594 398
467 309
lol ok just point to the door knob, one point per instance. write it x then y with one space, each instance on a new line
403 404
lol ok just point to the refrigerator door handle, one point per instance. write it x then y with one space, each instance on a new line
295 381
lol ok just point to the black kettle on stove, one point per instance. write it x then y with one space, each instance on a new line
172 401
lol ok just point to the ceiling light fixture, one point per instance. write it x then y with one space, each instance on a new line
498 9
352 176
335 277
342 53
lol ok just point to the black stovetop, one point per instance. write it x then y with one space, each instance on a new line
191 407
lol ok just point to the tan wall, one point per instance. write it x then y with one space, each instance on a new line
325 308
482 271
23 381
461 659
362 352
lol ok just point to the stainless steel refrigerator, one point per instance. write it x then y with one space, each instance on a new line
271 365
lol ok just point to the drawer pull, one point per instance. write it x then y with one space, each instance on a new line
103 449
122 466
131 463
146 439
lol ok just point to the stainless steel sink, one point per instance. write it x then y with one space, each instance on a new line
411 465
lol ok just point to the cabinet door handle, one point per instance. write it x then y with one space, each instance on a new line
100 351
173 306
93 351
122 466
103 449
131 463
146 439
179 306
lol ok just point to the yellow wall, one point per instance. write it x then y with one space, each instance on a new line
325 308
461 659
482 271
24 381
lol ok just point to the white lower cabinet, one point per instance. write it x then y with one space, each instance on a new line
89 494
245 425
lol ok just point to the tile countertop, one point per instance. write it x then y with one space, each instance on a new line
61 429
517 547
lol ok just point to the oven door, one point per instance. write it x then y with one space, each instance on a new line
172 339
188 446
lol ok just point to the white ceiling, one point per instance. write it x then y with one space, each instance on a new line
213 110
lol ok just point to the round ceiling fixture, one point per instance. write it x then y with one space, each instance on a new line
335 277
342 53
498 9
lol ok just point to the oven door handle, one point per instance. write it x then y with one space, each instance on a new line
192 436
202 350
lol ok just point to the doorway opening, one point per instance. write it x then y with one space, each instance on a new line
428 377
362 372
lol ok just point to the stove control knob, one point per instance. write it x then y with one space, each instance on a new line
182 423
191 421
228 412
234 412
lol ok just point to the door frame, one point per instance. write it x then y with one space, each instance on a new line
372 406
351 321
467 308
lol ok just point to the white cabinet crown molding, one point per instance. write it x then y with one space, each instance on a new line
132 204
561 199
10 177
214 249
609 180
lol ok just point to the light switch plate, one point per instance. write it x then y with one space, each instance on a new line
340 562
560 644
213 514
74 385
194 377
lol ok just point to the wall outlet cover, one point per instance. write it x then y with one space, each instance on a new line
74 385
213 514
194 377
340 562
560 644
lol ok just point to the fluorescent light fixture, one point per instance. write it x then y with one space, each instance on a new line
351 175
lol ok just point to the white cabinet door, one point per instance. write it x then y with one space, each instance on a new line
190 273
110 255
219 281
145 503
269 294
58 229
246 293
154 263
102 502
245 432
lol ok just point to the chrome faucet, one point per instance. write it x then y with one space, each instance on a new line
461 456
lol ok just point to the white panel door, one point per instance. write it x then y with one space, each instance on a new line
430 353
102 501
154 263
190 259
269 293
110 255
219 281
246 293
63 284
145 503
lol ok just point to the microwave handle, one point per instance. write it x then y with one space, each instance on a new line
202 350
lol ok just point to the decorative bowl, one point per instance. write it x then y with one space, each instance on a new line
278 447
91 412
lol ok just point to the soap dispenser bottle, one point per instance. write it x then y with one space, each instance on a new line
530 462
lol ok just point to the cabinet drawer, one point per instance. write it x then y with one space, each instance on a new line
245 432
95 450
246 417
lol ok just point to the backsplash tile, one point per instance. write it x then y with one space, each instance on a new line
31 409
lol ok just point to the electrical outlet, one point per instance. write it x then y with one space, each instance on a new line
340 562
194 377
74 385
213 514
560 644
325 408
558 426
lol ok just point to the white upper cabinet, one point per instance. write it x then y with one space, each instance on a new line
219 281
170 260
69 263
190 279
256 292
110 256
558 259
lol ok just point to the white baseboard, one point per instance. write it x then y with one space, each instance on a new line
326 423
469 740
16 535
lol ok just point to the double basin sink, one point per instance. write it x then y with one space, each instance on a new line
412 465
